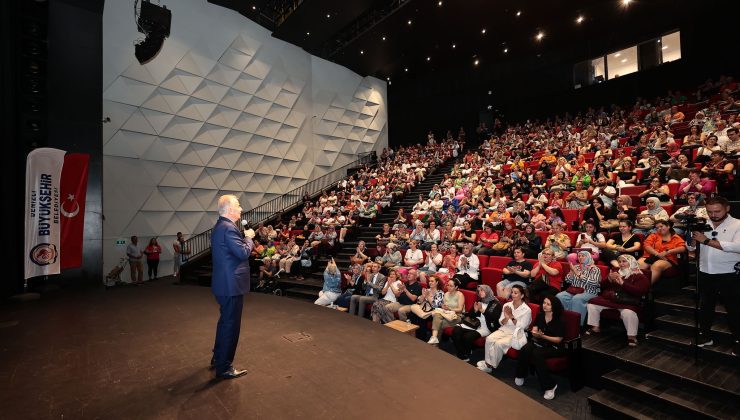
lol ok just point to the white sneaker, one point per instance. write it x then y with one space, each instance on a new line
550 393
519 381
485 368
481 363
433 340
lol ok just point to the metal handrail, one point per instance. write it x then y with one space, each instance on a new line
201 243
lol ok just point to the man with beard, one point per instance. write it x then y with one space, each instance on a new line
719 271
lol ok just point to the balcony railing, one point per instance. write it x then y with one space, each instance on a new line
201 243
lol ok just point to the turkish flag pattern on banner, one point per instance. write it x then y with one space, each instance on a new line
73 190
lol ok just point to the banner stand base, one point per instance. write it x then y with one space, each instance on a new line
25 297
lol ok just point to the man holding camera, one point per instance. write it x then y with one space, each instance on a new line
719 271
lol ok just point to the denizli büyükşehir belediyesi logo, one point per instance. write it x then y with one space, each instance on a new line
44 254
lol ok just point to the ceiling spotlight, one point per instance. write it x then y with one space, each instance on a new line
362 52
580 19
483 31
490 92
406 69
383 38
624 60
626 2
409 22
665 47
439 3
453 46
518 12
617 54
506 50
328 15
388 79
254 7
429 58
475 63
540 35
308 33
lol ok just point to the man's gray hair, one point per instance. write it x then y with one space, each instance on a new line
225 202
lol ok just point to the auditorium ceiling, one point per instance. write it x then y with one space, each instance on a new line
403 38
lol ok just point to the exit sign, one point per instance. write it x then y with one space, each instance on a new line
120 242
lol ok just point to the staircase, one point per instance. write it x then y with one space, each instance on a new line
660 378
311 285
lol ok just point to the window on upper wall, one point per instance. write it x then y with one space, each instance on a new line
670 49
599 69
629 60
622 62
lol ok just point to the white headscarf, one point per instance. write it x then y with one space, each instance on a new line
634 268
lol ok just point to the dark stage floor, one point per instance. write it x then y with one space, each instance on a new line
142 352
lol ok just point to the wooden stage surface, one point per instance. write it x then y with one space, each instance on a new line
143 352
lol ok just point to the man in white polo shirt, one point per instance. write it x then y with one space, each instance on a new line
718 270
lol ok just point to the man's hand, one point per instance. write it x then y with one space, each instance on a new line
249 233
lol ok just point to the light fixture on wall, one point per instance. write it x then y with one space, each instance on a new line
154 22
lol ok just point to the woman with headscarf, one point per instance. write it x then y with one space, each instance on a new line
624 209
585 281
331 290
624 292
486 310
647 219
548 333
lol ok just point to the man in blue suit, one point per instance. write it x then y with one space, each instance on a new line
230 249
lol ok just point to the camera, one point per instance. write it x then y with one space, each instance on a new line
691 223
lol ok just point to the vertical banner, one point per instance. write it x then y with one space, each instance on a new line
43 175
73 189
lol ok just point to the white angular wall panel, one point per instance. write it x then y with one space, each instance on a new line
223 108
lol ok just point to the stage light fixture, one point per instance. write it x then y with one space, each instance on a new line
617 54
626 2
362 52
624 60
506 50
580 19
454 46
308 33
154 22
409 22
406 69
439 3
254 7
383 38
475 63
518 13
540 35
429 58
483 31
328 15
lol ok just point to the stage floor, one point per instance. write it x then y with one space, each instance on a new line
143 352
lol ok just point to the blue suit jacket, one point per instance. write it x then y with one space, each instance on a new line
230 252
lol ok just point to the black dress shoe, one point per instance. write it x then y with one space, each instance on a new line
232 374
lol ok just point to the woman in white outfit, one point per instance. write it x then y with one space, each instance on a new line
515 314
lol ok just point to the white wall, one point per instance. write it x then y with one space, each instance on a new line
223 108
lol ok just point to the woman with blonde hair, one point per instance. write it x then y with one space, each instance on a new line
331 290
448 314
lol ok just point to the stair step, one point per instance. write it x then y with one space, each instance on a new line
684 401
308 283
686 323
718 377
611 405
720 351
302 293
683 301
